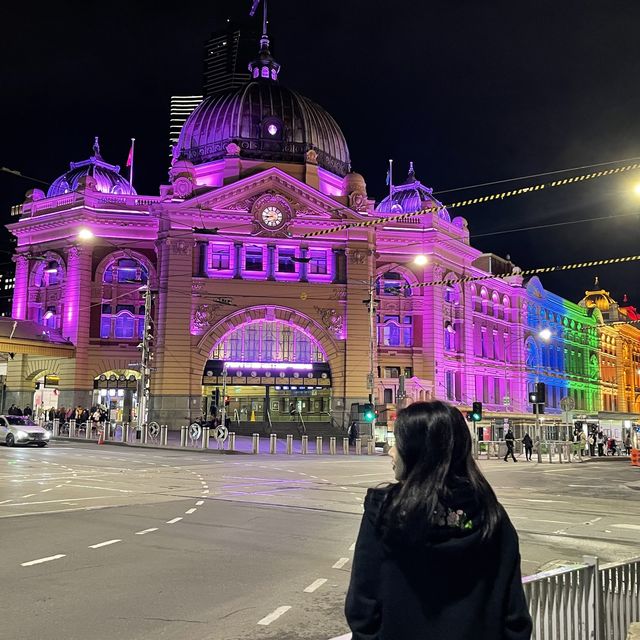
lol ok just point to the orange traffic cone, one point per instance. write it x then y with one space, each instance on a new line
100 436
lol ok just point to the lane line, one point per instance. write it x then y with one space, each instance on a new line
29 495
41 560
199 503
174 520
635 527
340 563
274 615
145 531
352 547
315 585
188 512
103 544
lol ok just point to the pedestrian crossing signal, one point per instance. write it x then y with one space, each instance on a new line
368 412
476 412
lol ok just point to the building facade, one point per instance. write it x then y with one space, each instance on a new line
250 304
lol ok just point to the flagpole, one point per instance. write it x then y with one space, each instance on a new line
133 142
390 181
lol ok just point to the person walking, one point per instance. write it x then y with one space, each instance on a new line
592 444
600 443
352 432
436 555
528 446
510 441
627 445
583 443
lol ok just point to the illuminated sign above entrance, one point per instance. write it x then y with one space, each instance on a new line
269 365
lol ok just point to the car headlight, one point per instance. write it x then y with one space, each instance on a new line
47 435
22 435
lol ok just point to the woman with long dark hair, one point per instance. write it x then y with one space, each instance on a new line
437 557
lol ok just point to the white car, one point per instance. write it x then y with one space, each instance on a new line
22 430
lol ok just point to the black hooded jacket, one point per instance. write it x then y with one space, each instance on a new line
452 586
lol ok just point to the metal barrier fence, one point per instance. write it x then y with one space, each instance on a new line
585 602
550 451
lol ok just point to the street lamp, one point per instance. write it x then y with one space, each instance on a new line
420 260
85 234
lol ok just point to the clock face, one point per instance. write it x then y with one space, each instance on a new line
272 216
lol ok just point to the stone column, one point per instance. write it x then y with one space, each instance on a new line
76 383
237 270
271 262
304 266
19 309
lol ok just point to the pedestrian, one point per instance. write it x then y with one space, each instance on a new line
436 555
528 446
592 444
52 414
352 432
627 445
509 440
600 443
12 410
27 411
583 442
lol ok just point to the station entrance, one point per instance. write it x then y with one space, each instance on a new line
270 372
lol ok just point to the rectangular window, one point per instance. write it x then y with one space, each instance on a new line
448 377
318 262
391 335
219 257
124 326
285 261
253 260
496 391
388 396
407 331
484 346
105 326
496 348
391 372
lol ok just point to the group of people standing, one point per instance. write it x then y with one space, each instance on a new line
14 410
510 441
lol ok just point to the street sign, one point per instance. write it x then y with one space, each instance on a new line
153 429
567 404
195 431
506 401
221 433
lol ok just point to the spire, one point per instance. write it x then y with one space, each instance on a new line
411 176
264 66
96 149
596 284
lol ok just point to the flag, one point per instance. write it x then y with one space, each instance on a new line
130 156
254 7
388 180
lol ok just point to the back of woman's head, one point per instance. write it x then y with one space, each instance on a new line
434 444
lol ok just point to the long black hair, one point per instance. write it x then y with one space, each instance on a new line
434 443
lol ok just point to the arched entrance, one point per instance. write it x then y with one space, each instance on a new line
268 370
46 394
116 393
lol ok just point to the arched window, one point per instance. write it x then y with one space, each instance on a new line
47 280
532 354
393 283
452 293
395 331
122 312
268 341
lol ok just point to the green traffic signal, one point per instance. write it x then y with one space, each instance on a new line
368 413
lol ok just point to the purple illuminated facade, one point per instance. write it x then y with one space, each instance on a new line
245 305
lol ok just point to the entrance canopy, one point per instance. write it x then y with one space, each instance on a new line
286 375
25 337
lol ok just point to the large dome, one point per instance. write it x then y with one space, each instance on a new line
267 121
107 176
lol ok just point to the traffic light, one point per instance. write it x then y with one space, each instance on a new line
541 393
476 412
226 401
368 412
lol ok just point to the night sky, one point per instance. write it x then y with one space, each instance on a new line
471 91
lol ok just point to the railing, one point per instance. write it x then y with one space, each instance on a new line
620 593
270 429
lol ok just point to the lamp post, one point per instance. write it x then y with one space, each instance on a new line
545 336
145 356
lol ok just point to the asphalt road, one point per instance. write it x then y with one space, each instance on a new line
110 542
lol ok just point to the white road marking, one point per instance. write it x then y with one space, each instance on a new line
206 491
315 585
536 500
144 531
86 486
103 544
29 495
41 560
188 512
5 501
174 520
340 563
45 490
199 503
205 486
635 527
352 547
274 615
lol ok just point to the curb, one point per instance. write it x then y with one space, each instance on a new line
155 447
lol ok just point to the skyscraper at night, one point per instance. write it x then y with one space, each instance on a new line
180 109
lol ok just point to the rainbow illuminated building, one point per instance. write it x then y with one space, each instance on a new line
242 298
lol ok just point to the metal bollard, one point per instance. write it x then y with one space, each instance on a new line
550 453
125 432
569 453
332 446
319 445
72 428
273 443
345 446
232 441
255 443
56 427
87 430
559 449
371 447
163 435
304 447
206 435
289 444
184 431
358 446
144 436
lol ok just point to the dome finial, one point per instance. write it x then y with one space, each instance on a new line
596 284
96 149
264 66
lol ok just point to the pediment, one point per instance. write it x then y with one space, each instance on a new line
306 203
